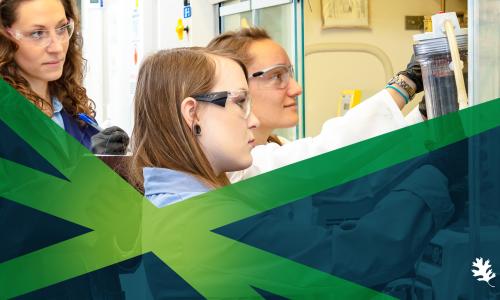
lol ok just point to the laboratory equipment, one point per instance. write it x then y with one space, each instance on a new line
442 55
449 256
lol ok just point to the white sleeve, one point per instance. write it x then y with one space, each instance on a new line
376 115
414 116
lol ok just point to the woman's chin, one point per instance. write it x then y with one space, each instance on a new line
289 122
53 76
242 164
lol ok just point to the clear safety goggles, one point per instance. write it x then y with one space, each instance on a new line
274 77
43 38
241 98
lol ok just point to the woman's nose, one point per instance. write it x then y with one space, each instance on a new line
253 121
294 88
55 44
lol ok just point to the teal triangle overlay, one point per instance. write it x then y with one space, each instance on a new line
92 196
269 296
15 245
15 149
376 218
124 217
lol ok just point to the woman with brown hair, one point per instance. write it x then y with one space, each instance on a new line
274 91
192 119
41 57
192 124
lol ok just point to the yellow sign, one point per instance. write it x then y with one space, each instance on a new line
349 99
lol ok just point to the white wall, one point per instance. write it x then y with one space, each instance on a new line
112 34
329 73
119 35
201 24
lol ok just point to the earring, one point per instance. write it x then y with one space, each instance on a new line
197 129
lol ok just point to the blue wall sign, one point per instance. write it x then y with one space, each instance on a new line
187 12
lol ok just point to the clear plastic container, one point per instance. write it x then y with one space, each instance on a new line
433 53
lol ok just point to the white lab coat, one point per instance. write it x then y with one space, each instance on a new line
376 115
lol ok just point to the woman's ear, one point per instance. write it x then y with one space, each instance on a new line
188 109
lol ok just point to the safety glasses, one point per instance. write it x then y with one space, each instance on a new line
42 38
274 77
240 98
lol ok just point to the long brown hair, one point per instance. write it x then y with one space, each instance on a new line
239 42
68 89
161 137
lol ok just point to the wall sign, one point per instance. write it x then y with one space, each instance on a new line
187 12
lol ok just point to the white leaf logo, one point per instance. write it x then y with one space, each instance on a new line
483 271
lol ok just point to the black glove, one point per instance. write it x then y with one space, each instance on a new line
414 73
112 140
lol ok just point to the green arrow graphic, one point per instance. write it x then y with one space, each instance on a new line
126 225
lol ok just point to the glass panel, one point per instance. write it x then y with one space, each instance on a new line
487 50
236 21
484 85
277 20
230 2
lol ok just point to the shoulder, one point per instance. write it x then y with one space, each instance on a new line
165 186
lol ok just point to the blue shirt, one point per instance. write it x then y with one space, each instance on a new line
56 116
165 186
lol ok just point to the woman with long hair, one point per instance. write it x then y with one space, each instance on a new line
41 57
192 115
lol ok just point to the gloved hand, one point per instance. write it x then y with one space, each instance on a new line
112 140
414 73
